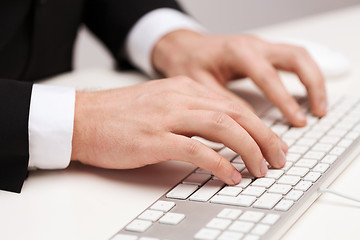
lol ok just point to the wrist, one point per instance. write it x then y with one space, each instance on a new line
172 49
79 133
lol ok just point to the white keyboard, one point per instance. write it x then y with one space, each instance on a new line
202 207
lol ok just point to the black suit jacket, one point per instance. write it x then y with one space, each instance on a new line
36 41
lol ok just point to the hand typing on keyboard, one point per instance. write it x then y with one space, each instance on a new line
152 122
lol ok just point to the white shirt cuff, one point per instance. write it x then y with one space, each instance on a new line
51 122
149 29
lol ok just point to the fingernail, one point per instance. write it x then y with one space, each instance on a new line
323 106
300 116
236 177
263 168
283 145
282 158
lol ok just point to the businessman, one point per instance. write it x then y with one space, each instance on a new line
46 127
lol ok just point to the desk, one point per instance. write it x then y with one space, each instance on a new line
82 202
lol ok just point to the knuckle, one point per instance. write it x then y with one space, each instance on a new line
219 119
301 52
193 147
218 164
236 108
267 76
271 139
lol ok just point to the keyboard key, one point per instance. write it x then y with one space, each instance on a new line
151 215
182 191
207 191
352 135
274 173
197 179
260 229
230 191
279 129
244 182
336 132
321 167
172 218
253 191
244 201
314 134
252 216
298 171
307 163
229 213
298 149
306 142
287 166
345 143
284 205
316 155
238 159
292 157
294 195
303 186
227 153
251 237
267 201
228 235
239 166
293 133
124 237
291 180
263 182
329 139
288 141
312 176
321 127
219 223
330 159
337 151
164 206
207 234
271 218
246 174
311 120
241 226
138 225
280 188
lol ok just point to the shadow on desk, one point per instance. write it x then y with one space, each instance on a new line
161 175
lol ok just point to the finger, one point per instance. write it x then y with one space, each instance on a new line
299 61
271 146
190 150
219 127
214 83
268 80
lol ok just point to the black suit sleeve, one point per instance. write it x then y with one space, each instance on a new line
111 20
14 144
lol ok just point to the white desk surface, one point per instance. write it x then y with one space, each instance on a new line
83 202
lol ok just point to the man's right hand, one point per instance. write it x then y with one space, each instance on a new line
153 122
